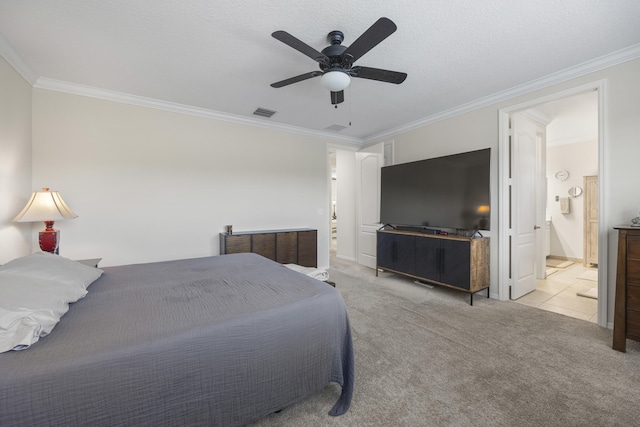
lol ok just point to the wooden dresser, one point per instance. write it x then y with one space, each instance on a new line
626 321
292 246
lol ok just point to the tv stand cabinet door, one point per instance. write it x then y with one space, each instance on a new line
385 251
427 258
405 254
456 265
396 252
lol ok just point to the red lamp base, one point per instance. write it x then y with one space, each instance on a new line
49 239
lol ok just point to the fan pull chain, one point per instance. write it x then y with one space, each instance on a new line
350 104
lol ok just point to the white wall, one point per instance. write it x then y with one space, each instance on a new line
151 185
580 160
479 128
15 161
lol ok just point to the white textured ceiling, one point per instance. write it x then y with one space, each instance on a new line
219 56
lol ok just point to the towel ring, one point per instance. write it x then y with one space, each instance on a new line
575 191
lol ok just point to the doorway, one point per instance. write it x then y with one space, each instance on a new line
354 201
333 209
341 197
567 279
559 242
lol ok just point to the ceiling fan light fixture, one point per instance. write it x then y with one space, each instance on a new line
335 81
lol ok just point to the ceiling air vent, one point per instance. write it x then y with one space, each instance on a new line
335 128
263 112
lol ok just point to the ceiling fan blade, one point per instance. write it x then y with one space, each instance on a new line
378 74
296 79
337 97
380 30
300 46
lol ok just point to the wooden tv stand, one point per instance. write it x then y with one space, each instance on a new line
457 262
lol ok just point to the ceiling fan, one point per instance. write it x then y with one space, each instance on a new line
336 61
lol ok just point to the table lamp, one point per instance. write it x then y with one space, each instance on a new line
483 211
46 206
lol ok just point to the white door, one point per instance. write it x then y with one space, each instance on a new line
541 206
524 160
368 207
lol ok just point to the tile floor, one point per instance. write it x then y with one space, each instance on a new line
557 293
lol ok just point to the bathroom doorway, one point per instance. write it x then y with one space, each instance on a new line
567 276
573 150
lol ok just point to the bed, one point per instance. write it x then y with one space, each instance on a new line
221 341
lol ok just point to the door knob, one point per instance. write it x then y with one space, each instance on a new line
536 227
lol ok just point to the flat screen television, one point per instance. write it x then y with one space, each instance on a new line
449 192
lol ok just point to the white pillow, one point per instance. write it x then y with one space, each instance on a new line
44 265
35 292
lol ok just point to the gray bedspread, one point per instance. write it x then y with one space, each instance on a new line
217 341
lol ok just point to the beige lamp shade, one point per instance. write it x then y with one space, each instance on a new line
483 209
45 205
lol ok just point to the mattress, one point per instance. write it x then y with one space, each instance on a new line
220 340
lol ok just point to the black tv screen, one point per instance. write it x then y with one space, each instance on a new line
444 192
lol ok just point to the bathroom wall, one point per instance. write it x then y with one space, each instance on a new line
579 160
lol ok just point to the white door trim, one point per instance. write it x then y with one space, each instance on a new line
504 246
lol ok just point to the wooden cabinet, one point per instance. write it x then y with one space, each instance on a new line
444 261
590 220
295 246
287 247
626 320
396 252
308 248
457 262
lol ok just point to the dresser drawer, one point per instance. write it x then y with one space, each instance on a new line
238 244
633 247
265 245
633 297
633 271
633 324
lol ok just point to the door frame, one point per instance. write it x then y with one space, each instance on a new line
504 152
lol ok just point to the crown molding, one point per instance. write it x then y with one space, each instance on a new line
615 58
21 67
108 95
609 60
27 73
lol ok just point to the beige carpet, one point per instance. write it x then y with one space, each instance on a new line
550 271
558 263
425 357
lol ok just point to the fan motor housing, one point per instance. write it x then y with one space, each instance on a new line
334 51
